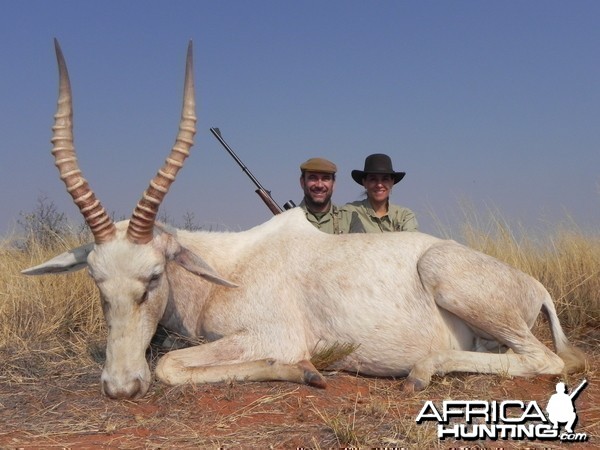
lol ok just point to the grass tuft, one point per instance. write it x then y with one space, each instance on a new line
328 355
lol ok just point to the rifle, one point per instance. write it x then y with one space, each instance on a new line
261 191
575 392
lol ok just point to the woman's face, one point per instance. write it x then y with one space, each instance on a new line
378 186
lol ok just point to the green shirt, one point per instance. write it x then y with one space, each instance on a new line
334 221
396 219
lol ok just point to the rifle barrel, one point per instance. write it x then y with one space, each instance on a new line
264 194
217 133
578 388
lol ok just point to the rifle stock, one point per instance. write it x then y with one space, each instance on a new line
266 197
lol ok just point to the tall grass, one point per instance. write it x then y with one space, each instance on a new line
47 318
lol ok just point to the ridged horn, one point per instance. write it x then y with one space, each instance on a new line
141 224
63 150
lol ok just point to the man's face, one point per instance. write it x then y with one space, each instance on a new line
318 189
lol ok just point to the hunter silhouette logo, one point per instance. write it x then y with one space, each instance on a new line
561 408
507 419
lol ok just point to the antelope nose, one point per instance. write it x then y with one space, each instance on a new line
132 390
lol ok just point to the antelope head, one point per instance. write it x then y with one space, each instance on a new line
127 260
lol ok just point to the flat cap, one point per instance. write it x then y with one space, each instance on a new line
318 165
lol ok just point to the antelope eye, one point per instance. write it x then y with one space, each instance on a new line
153 281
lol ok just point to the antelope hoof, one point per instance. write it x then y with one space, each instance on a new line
412 385
312 377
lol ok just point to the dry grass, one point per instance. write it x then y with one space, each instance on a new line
326 356
46 322
52 336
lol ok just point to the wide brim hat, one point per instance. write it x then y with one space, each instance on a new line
380 164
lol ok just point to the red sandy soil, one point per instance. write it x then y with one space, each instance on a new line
59 412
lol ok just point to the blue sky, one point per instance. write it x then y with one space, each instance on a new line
493 104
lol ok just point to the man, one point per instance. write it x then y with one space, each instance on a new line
376 213
317 179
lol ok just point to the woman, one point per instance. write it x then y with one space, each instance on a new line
375 212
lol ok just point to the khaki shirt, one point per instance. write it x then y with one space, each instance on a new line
396 219
334 221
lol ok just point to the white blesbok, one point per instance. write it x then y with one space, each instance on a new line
268 298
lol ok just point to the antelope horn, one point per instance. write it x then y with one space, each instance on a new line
65 159
141 224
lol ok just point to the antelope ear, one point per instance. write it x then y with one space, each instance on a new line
166 241
196 265
70 261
